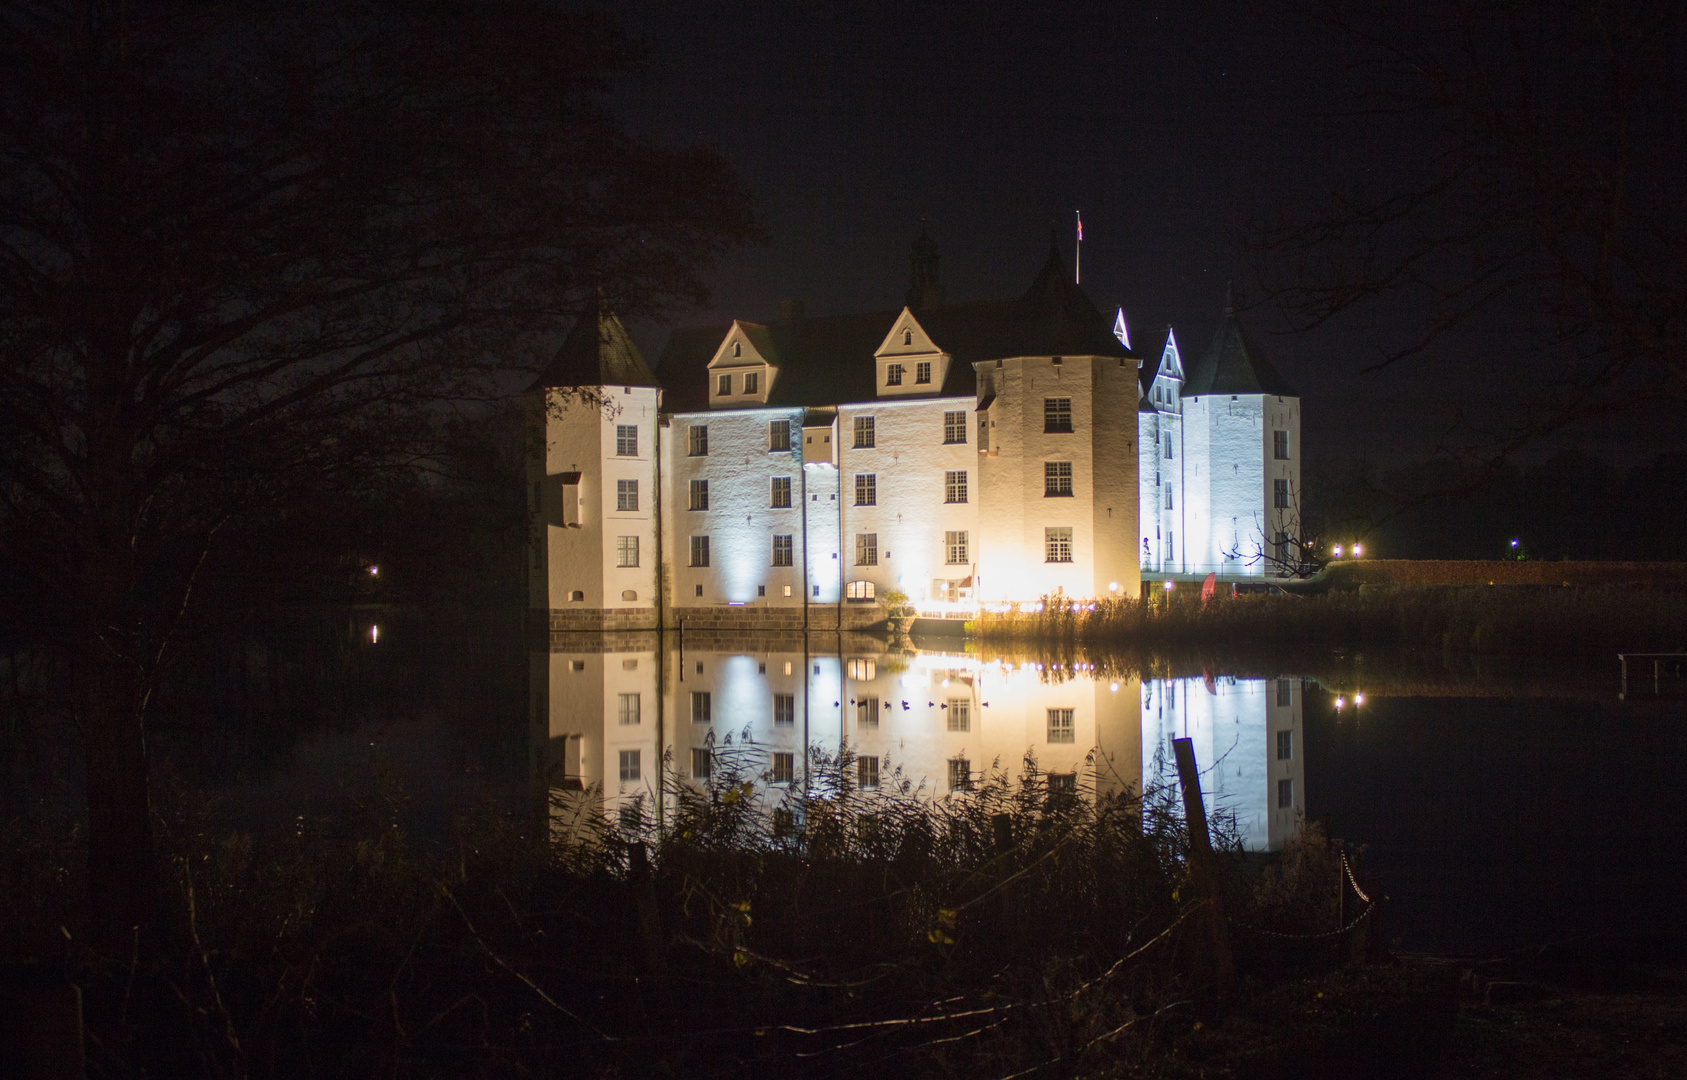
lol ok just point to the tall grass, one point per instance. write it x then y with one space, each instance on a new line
1513 620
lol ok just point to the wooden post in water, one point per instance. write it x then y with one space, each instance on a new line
1216 967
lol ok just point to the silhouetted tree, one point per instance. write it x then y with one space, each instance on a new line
247 246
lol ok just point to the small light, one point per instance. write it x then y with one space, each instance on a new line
945 683
1358 699
1114 687
374 635
1170 585
1338 551
1358 551
1514 543
1113 586
1341 703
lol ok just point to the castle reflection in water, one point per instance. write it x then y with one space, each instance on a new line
610 711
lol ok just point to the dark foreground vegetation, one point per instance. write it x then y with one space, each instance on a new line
809 933
1511 620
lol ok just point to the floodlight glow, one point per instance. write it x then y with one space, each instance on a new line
1170 585
1114 687
1358 551
1514 543
1112 586
374 634
1341 703
1358 699
1338 551
375 571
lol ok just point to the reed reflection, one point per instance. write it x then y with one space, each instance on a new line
611 712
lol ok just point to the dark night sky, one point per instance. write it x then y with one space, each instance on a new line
1169 125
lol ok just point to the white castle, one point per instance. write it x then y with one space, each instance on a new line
789 475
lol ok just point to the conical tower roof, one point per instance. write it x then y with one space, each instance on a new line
1234 364
597 352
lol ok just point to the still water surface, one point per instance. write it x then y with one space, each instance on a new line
1495 808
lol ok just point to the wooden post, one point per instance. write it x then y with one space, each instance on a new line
1217 967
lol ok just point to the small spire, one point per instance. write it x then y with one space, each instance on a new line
1229 298
1121 331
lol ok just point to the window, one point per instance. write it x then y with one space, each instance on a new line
1280 494
752 380
955 427
856 590
866 549
867 771
702 707
781 493
626 709
1168 446
867 712
1169 505
699 494
1169 547
698 434
779 435
784 768
724 386
893 375
782 550
983 432
629 766
701 759
699 553
1285 745
866 489
1057 415
1280 445
922 372
960 714
1285 794
1285 693
626 494
1280 547
960 775
1057 479
1060 725
784 710
1063 783
626 440
626 551
955 551
907 337
784 821
1057 544
860 668
737 349
864 433
955 487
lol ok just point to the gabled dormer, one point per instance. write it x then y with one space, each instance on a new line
908 362
743 368
1167 387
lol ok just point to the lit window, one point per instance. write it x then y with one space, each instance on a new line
699 553
626 709
955 487
1280 494
781 551
867 772
1060 726
784 768
1280 445
955 547
781 493
866 549
893 375
752 380
701 759
864 433
626 551
954 427
1057 415
866 489
626 494
857 590
784 710
1057 544
960 775
960 714
702 707
922 371
1285 745
724 386
626 440
867 712
699 439
629 766
779 435
1057 479
699 494
1285 794
860 668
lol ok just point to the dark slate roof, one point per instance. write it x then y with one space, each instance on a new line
597 352
828 360
1234 365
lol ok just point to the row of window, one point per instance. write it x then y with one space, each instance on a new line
957 715
922 373
1057 419
782 769
751 384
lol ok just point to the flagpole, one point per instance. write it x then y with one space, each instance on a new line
1078 258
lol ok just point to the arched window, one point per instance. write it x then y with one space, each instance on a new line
737 349
577 595
859 590
907 337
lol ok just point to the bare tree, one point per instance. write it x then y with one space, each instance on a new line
1536 150
1288 545
244 246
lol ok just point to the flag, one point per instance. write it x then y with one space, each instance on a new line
1080 230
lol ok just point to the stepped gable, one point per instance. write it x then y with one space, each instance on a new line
828 360
597 352
1234 364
